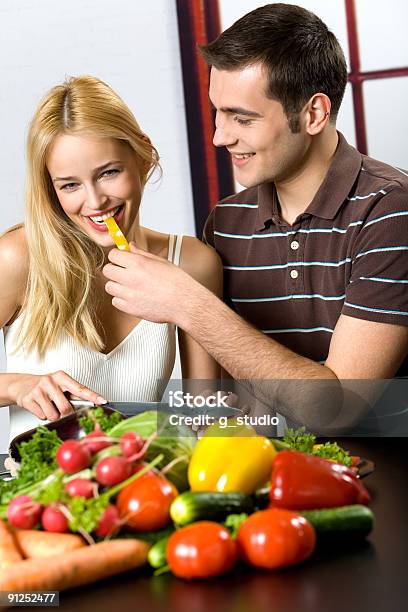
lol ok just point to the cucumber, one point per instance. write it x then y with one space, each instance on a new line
198 505
151 537
261 497
157 554
279 444
356 520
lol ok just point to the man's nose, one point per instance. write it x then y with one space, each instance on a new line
96 198
223 135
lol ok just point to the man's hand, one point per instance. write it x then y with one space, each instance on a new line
146 286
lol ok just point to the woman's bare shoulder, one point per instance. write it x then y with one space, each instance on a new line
14 252
13 272
201 262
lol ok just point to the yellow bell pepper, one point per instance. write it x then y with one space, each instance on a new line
236 459
116 234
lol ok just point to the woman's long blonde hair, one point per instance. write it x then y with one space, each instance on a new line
63 259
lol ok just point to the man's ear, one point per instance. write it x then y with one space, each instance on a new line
317 113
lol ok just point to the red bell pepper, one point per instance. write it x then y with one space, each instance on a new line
301 482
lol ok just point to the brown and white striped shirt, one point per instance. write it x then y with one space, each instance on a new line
347 253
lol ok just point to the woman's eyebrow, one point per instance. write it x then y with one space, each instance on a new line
63 178
99 169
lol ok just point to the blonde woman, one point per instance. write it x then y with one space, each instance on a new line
87 158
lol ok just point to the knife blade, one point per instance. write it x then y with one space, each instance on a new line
133 408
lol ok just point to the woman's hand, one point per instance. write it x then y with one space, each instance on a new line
43 395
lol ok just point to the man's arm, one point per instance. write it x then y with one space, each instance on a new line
305 391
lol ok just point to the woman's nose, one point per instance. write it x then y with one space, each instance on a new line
96 199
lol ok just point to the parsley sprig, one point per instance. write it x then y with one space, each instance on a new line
106 421
301 440
37 462
331 450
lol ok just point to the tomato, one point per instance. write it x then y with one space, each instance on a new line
145 502
275 538
201 550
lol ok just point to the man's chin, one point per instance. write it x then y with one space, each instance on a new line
247 182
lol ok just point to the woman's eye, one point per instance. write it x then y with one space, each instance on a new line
110 172
242 121
69 186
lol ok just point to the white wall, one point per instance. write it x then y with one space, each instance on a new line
132 45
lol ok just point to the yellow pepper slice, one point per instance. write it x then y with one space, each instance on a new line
116 234
238 461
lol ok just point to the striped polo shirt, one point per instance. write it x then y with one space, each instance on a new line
347 253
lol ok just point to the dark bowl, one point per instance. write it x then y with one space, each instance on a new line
365 467
67 428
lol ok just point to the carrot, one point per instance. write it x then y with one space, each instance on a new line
75 568
39 544
9 553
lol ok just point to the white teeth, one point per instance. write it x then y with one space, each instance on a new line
243 155
101 218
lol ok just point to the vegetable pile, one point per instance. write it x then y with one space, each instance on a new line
193 508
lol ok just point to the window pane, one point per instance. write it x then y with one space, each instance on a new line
387 120
382 33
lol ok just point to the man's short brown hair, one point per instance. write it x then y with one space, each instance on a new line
300 54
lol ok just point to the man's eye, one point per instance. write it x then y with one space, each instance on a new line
242 121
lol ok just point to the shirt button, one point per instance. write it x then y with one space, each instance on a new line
294 245
294 273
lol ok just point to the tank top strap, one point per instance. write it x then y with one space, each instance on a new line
175 243
171 247
177 250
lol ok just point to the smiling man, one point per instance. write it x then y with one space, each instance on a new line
315 249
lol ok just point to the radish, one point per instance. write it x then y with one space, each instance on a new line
54 520
112 470
23 512
81 487
108 522
131 443
96 440
73 457
115 469
136 467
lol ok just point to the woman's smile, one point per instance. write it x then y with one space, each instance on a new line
96 221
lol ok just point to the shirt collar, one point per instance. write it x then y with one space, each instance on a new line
340 178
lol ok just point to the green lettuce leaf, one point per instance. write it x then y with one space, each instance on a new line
173 441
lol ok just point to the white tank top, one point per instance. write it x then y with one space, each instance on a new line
138 369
